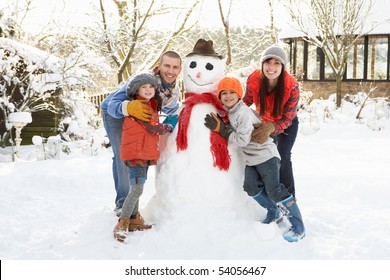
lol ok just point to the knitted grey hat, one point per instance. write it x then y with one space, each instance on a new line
274 51
137 81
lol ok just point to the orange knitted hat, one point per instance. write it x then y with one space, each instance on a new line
230 83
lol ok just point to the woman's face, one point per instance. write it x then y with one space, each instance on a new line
272 68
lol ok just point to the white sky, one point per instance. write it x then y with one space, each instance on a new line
73 12
244 12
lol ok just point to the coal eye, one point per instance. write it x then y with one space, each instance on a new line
193 64
209 66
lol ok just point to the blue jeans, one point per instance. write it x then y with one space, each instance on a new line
265 176
285 142
138 174
120 173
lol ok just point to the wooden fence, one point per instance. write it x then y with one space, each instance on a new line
97 99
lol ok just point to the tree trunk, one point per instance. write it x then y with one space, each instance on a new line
355 59
338 90
225 22
272 25
372 65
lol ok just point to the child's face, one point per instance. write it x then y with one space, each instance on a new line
229 98
146 91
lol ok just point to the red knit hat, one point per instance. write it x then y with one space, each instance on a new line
230 83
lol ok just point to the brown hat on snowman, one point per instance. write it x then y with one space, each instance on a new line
204 47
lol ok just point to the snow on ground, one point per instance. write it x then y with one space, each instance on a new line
63 209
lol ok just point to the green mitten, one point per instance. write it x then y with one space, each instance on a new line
215 123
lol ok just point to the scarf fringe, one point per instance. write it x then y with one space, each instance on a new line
219 145
220 152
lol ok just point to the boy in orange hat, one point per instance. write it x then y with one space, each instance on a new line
262 180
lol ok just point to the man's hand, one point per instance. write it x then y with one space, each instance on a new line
262 131
140 110
215 123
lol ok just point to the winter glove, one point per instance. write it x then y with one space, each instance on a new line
171 120
215 123
262 131
138 109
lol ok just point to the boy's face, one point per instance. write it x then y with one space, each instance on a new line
229 98
146 91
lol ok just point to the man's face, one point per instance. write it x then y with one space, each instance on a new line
169 69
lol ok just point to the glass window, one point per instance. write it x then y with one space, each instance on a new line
355 61
329 74
287 46
297 52
377 58
313 63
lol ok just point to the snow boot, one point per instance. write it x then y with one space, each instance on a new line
273 212
120 230
297 230
138 223
118 211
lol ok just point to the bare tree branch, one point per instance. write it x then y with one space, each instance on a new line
179 31
106 40
225 23
274 38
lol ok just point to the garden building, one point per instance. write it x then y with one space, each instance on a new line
368 64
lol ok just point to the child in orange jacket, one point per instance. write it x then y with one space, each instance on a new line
139 149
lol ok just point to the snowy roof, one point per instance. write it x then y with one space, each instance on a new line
54 67
379 18
291 32
37 56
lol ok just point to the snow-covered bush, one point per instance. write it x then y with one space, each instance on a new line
372 112
8 26
81 118
33 80
308 119
356 99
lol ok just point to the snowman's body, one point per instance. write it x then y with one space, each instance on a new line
188 185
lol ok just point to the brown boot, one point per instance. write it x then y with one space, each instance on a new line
120 230
138 223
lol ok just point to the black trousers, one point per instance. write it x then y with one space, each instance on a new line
285 142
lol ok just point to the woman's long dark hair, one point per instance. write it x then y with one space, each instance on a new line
159 100
278 91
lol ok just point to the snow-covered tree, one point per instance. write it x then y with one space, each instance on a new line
131 44
7 26
32 80
334 26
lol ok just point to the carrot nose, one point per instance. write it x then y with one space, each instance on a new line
198 75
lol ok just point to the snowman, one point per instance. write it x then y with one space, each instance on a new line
199 174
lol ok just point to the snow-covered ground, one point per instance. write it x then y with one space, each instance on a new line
63 209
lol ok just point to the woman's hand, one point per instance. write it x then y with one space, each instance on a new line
262 131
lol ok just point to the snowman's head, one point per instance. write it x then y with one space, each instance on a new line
203 68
